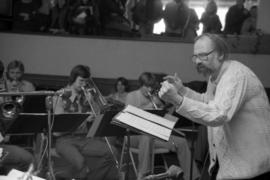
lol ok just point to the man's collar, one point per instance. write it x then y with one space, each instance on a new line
74 94
223 68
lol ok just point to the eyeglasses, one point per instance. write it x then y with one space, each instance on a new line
201 56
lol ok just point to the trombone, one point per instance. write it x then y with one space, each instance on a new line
94 98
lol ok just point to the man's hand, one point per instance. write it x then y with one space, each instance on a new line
169 93
176 81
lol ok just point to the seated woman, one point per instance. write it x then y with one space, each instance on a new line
121 88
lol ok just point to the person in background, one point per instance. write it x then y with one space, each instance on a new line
235 109
121 89
15 81
84 18
235 17
210 20
180 20
24 15
145 14
250 24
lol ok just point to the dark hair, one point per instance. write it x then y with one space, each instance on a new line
2 68
219 44
123 81
14 64
147 79
79 71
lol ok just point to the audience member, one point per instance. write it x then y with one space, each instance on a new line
84 18
249 26
145 14
112 18
180 20
89 158
235 17
210 20
58 9
144 98
43 16
24 15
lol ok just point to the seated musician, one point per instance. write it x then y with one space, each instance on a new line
16 156
144 99
119 95
89 158
15 81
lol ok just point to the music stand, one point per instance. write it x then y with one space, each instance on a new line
28 123
32 123
190 129
68 122
103 126
60 123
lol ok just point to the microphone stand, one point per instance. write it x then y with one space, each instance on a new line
49 106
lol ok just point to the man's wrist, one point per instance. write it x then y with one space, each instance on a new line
182 91
178 101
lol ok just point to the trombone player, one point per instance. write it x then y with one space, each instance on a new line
88 157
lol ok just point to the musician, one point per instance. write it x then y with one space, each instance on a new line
15 81
16 157
89 157
144 99
121 89
235 109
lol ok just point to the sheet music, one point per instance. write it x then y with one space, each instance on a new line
16 174
146 122
143 125
152 117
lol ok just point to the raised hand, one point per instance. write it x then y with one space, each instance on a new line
169 93
177 82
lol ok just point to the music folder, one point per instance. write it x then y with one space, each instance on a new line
146 122
38 122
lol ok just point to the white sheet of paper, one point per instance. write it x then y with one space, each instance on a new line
152 117
144 125
15 174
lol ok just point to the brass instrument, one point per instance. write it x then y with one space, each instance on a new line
11 105
94 98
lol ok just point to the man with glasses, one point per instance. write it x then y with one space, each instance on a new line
235 109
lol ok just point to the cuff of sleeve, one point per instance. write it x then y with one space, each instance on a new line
181 109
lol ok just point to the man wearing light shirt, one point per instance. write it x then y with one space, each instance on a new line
235 108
